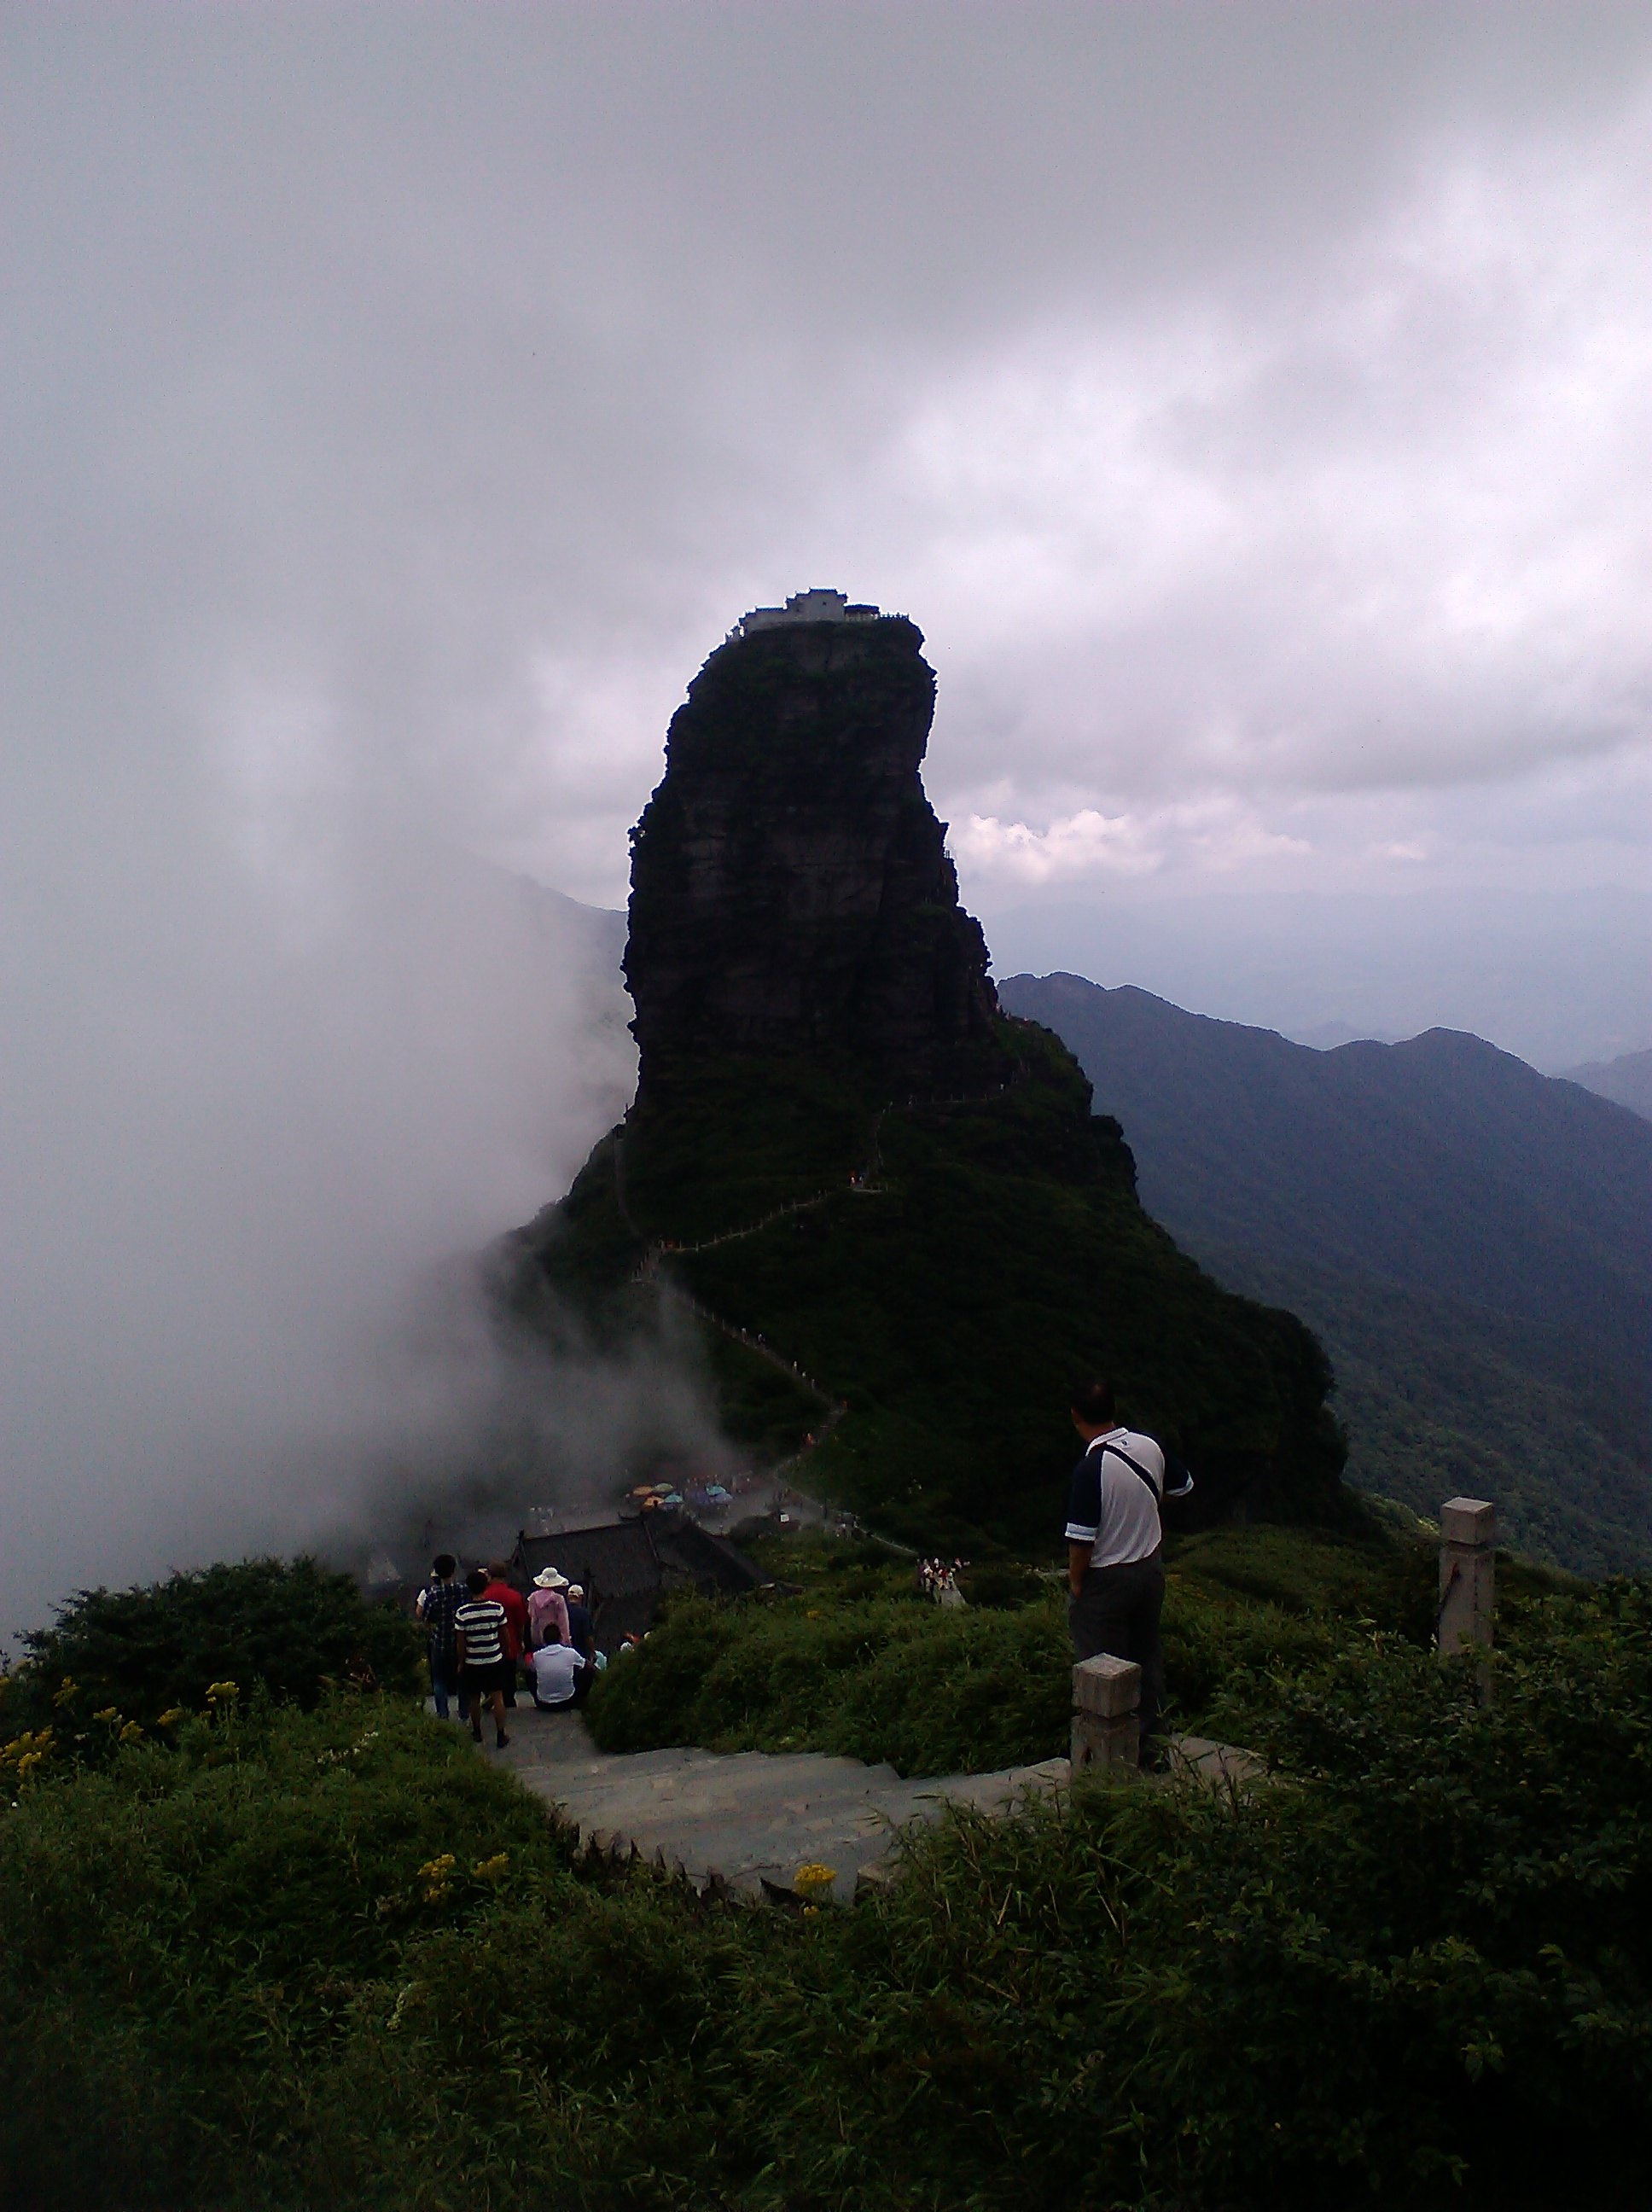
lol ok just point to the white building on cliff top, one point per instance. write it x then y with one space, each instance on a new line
811 606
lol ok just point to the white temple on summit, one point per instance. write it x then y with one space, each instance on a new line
810 606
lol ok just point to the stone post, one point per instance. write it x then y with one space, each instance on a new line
1106 1713
1468 1554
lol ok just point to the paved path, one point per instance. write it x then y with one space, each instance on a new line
749 1816
753 1817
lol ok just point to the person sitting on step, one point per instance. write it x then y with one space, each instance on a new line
555 1669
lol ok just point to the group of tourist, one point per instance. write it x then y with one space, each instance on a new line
482 1636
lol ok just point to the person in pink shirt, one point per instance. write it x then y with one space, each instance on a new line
547 1609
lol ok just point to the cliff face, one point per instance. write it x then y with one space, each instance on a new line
791 892
886 1206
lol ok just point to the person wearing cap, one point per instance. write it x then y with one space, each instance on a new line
548 1608
435 1606
582 1635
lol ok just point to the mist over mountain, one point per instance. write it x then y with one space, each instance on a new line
1472 1240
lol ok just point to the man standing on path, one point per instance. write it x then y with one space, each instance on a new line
516 1620
479 1629
1115 1539
582 1635
437 1603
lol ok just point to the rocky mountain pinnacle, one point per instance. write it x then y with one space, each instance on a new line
791 889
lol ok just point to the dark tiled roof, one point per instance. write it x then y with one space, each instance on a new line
627 1567
710 1562
616 1559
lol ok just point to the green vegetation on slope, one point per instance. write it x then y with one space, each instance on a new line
1441 1398
994 1251
333 1960
292 1627
857 1663
1469 1239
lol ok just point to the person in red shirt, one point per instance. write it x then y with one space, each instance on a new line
516 1618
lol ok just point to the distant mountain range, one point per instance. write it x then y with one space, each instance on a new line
1471 1241
1627 1080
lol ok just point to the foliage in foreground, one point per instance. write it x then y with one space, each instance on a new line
334 1960
134 1660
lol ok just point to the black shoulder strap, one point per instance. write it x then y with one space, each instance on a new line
1135 1468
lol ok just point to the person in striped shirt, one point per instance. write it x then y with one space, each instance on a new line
480 1632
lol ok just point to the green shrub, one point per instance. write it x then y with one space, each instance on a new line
851 1667
1413 1973
932 1690
287 1629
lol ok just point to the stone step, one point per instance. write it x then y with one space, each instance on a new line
749 1820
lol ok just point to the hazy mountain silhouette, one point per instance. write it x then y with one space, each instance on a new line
1472 1240
1627 1080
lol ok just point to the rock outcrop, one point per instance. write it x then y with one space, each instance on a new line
885 1206
791 889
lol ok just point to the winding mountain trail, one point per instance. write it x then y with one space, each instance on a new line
861 1183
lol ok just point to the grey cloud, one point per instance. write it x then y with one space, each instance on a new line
401 399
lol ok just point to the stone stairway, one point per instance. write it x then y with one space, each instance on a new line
750 1819
745 1818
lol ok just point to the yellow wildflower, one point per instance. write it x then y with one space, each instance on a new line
27 1752
216 1691
813 1878
171 1717
70 1687
109 1713
131 1733
492 1869
437 1875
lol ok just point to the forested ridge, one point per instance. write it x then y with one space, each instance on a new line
1471 1242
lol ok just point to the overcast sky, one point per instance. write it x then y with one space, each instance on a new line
1252 404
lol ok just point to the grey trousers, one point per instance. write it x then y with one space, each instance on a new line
1118 1612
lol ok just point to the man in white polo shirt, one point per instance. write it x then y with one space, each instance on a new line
1114 1537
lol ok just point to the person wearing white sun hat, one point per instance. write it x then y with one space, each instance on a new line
547 1609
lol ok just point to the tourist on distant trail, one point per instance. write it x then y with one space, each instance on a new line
516 1620
582 1635
556 1669
1115 1538
480 1629
548 1608
435 1605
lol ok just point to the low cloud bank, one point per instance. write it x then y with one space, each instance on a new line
275 1073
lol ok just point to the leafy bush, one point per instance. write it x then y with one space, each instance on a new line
849 1666
931 1690
338 1960
288 1629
